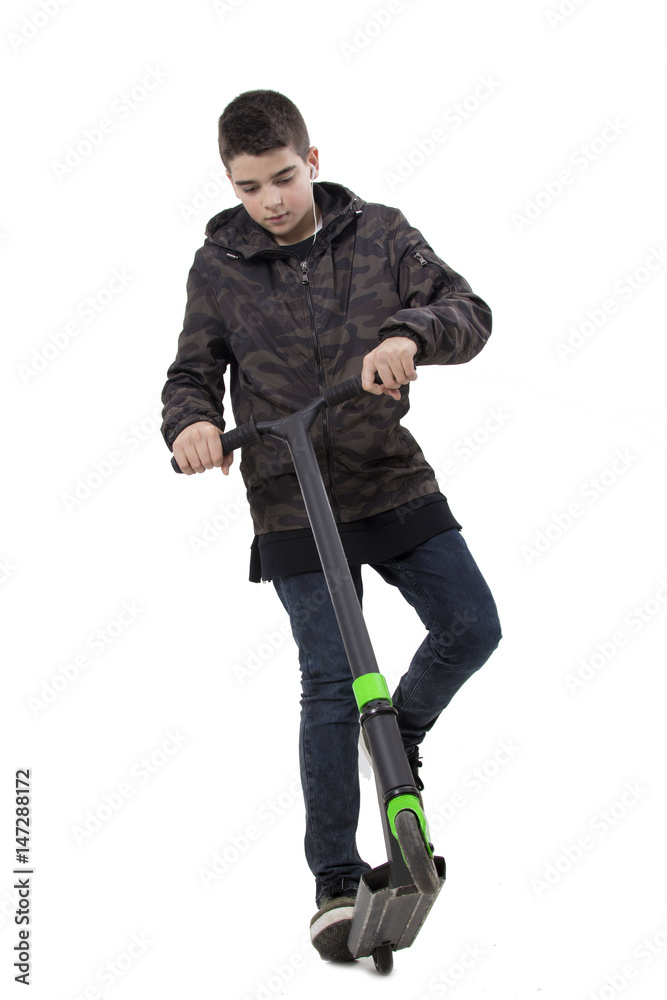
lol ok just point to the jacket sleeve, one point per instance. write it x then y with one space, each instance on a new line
440 312
195 388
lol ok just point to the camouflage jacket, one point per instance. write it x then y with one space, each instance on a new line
285 329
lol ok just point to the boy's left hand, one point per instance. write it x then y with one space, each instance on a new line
393 361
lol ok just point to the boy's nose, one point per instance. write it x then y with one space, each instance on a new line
271 198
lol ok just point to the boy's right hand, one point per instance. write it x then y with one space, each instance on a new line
198 448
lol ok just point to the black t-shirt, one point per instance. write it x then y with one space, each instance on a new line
300 249
365 541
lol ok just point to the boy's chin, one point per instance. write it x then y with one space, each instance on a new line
285 234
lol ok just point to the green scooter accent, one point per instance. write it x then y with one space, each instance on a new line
370 687
400 802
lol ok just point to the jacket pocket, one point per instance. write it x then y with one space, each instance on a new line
426 258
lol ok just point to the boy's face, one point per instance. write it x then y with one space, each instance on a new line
275 190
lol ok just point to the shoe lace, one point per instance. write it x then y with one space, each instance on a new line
415 764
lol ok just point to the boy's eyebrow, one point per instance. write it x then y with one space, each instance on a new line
285 170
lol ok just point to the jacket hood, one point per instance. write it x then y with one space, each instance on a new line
233 228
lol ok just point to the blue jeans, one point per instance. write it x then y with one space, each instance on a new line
441 581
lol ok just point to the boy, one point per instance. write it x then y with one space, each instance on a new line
297 288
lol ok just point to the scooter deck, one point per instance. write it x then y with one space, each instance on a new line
385 914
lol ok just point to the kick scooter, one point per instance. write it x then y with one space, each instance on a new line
393 899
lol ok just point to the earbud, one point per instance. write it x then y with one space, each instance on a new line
312 173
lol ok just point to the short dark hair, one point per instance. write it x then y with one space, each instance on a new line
259 120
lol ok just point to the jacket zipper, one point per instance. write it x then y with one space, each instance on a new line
424 263
326 433
320 378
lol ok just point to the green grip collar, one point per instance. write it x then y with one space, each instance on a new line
370 687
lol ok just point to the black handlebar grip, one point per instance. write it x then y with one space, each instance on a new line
238 436
344 391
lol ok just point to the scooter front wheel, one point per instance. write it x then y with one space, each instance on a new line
419 862
383 956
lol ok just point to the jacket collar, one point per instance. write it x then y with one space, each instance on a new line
235 230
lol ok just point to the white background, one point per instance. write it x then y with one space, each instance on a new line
121 909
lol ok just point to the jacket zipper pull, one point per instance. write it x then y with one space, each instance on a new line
421 259
304 272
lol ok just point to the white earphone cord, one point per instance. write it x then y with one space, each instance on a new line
312 181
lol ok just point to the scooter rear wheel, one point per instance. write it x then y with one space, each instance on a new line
417 858
383 956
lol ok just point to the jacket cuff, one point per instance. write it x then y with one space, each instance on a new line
405 332
170 433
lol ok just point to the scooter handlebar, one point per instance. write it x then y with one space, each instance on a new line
248 433
344 391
